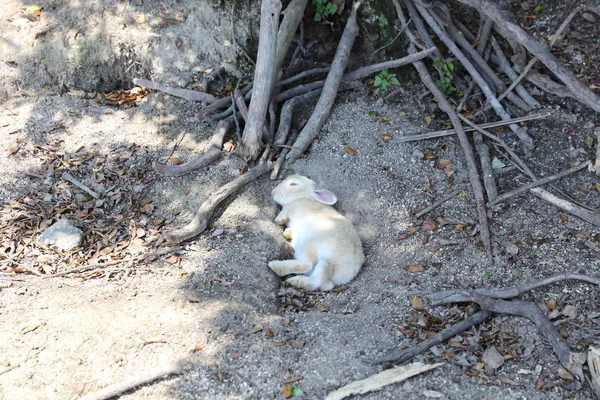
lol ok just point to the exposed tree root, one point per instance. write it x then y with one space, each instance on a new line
200 221
190 95
118 389
212 154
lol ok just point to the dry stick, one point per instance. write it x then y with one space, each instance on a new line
403 355
538 182
505 67
486 166
223 103
464 142
452 296
360 73
190 95
119 388
592 217
177 143
485 70
486 30
283 152
539 49
200 221
302 75
596 167
238 132
439 202
448 132
421 29
532 62
68 177
545 83
525 139
30 354
330 88
212 154
455 296
263 79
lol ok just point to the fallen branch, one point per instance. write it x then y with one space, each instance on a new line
377 381
330 88
403 355
525 139
464 142
211 155
264 78
190 95
119 388
457 296
487 171
448 132
441 201
593 217
30 354
539 49
289 25
200 221
282 153
538 182
360 73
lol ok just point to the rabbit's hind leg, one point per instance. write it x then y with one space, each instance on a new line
287 267
320 277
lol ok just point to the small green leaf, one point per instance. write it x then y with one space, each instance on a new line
539 9
372 114
297 392
317 17
377 81
589 141
394 81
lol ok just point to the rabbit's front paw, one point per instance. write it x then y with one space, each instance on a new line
287 234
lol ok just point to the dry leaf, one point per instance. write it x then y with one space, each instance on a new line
443 163
351 151
416 303
492 358
176 160
429 225
186 190
429 156
12 150
29 328
199 346
287 391
236 355
270 332
414 268
551 304
563 217
174 260
427 120
293 379
244 169
386 136
321 308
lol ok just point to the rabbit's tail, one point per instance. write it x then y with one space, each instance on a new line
320 277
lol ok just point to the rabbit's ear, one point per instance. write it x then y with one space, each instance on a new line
324 196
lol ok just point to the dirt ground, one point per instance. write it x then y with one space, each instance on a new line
221 308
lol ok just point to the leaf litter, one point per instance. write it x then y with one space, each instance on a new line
119 226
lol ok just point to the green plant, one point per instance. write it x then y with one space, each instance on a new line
324 8
383 79
445 83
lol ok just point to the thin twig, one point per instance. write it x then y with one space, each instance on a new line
126 385
394 39
71 178
448 132
177 143
441 201
538 182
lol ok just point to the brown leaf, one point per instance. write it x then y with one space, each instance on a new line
236 355
429 156
416 303
386 137
186 190
192 298
244 169
174 260
414 268
321 308
176 160
29 328
429 225
279 344
287 391
12 150
443 164
563 217
199 346
351 151
270 332
492 358
551 304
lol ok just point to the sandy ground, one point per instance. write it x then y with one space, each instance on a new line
221 308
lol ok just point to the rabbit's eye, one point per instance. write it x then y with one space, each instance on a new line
293 184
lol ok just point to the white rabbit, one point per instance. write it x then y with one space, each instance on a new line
327 248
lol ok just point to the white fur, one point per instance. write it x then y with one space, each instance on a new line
327 248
